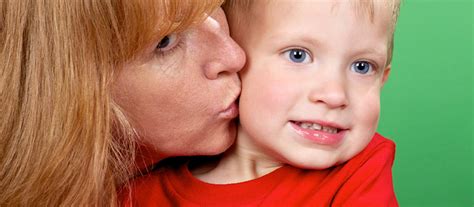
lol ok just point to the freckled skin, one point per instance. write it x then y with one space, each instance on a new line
175 99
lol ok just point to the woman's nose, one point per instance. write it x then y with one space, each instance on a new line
226 55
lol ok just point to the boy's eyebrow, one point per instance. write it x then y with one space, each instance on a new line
306 39
379 55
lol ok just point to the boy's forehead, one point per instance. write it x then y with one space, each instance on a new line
366 8
271 17
321 22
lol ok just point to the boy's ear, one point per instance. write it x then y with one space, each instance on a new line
386 72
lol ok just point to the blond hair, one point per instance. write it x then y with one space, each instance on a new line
63 141
239 11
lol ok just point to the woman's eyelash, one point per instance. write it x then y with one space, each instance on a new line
164 42
172 41
171 50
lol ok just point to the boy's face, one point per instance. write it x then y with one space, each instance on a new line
311 87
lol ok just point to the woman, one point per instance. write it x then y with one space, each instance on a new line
85 83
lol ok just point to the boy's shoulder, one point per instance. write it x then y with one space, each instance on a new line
369 175
379 141
379 152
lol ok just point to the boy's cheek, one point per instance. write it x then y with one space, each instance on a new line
271 95
367 110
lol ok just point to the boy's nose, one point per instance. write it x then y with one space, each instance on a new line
330 91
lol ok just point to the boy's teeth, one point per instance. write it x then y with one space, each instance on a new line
306 125
318 127
329 129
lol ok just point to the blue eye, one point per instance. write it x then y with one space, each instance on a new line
362 67
297 55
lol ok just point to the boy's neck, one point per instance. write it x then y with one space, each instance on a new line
239 163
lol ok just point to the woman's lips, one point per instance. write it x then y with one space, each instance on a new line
232 109
318 134
230 112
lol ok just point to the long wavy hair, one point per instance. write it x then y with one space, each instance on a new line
63 140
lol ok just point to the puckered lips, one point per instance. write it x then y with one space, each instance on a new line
319 132
230 112
232 109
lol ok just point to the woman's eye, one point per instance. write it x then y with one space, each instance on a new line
167 43
362 67
298 56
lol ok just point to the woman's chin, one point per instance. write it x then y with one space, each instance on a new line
218 144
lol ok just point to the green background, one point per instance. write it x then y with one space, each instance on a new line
427 103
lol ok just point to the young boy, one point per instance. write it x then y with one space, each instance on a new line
309 109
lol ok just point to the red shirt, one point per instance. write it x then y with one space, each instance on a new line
365 180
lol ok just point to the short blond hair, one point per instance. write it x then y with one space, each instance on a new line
63 141
238 12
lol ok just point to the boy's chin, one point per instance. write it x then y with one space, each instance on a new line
316 164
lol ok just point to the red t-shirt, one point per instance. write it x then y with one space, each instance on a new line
365 180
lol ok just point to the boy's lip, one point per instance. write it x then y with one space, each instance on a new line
322 123
320 136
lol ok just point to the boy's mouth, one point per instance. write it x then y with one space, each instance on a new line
317 127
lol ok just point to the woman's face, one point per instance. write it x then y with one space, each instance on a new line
180 96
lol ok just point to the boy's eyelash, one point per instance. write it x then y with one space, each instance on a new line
308 52
374 65
296 48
